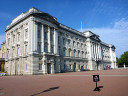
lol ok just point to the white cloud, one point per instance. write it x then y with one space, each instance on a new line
117 35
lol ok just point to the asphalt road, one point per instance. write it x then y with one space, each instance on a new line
112 83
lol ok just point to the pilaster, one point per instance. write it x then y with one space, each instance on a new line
42 35
55 41
52 68
49 43
44 65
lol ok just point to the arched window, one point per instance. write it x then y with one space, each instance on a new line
69 52
74 52
63 52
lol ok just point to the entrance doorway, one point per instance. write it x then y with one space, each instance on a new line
74 67
48 68
82 68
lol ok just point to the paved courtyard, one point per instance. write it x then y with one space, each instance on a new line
112 83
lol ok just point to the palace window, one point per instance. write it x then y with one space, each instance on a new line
8 54
39 33
26 49
8 41
81 46
73 43
63 41
63 52
39 47
13 39
69 52
74 53
64 66
78 55
69 42
26 33
70 66
77 44
51 33
13 53
52 49
45 48
40 66
45 31
59 51
18 37
39 30
18 51
82 54
45 35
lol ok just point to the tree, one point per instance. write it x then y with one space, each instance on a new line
123 59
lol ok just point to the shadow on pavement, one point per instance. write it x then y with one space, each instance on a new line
98 88
1 89
47 90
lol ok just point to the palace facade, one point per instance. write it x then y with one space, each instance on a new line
36 43
2 56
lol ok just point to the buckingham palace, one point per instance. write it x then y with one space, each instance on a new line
36 43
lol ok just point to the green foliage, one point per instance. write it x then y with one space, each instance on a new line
123 59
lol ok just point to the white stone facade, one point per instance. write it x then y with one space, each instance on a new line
37 44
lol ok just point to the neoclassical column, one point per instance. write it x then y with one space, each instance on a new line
35 36
77 67
49 43
94 51
55 41
44 65
52 67
98 51
42 35
91 50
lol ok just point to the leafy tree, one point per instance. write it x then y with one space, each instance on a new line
123 59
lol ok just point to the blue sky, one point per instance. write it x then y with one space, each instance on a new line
107 18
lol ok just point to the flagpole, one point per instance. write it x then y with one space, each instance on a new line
81 27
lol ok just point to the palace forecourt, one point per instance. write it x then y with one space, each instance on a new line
112 83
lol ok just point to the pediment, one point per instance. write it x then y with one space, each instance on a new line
95 37
47 17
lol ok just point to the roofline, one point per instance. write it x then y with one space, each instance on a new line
34 14
91 32
71 30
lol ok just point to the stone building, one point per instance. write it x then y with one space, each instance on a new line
38 44
2 56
